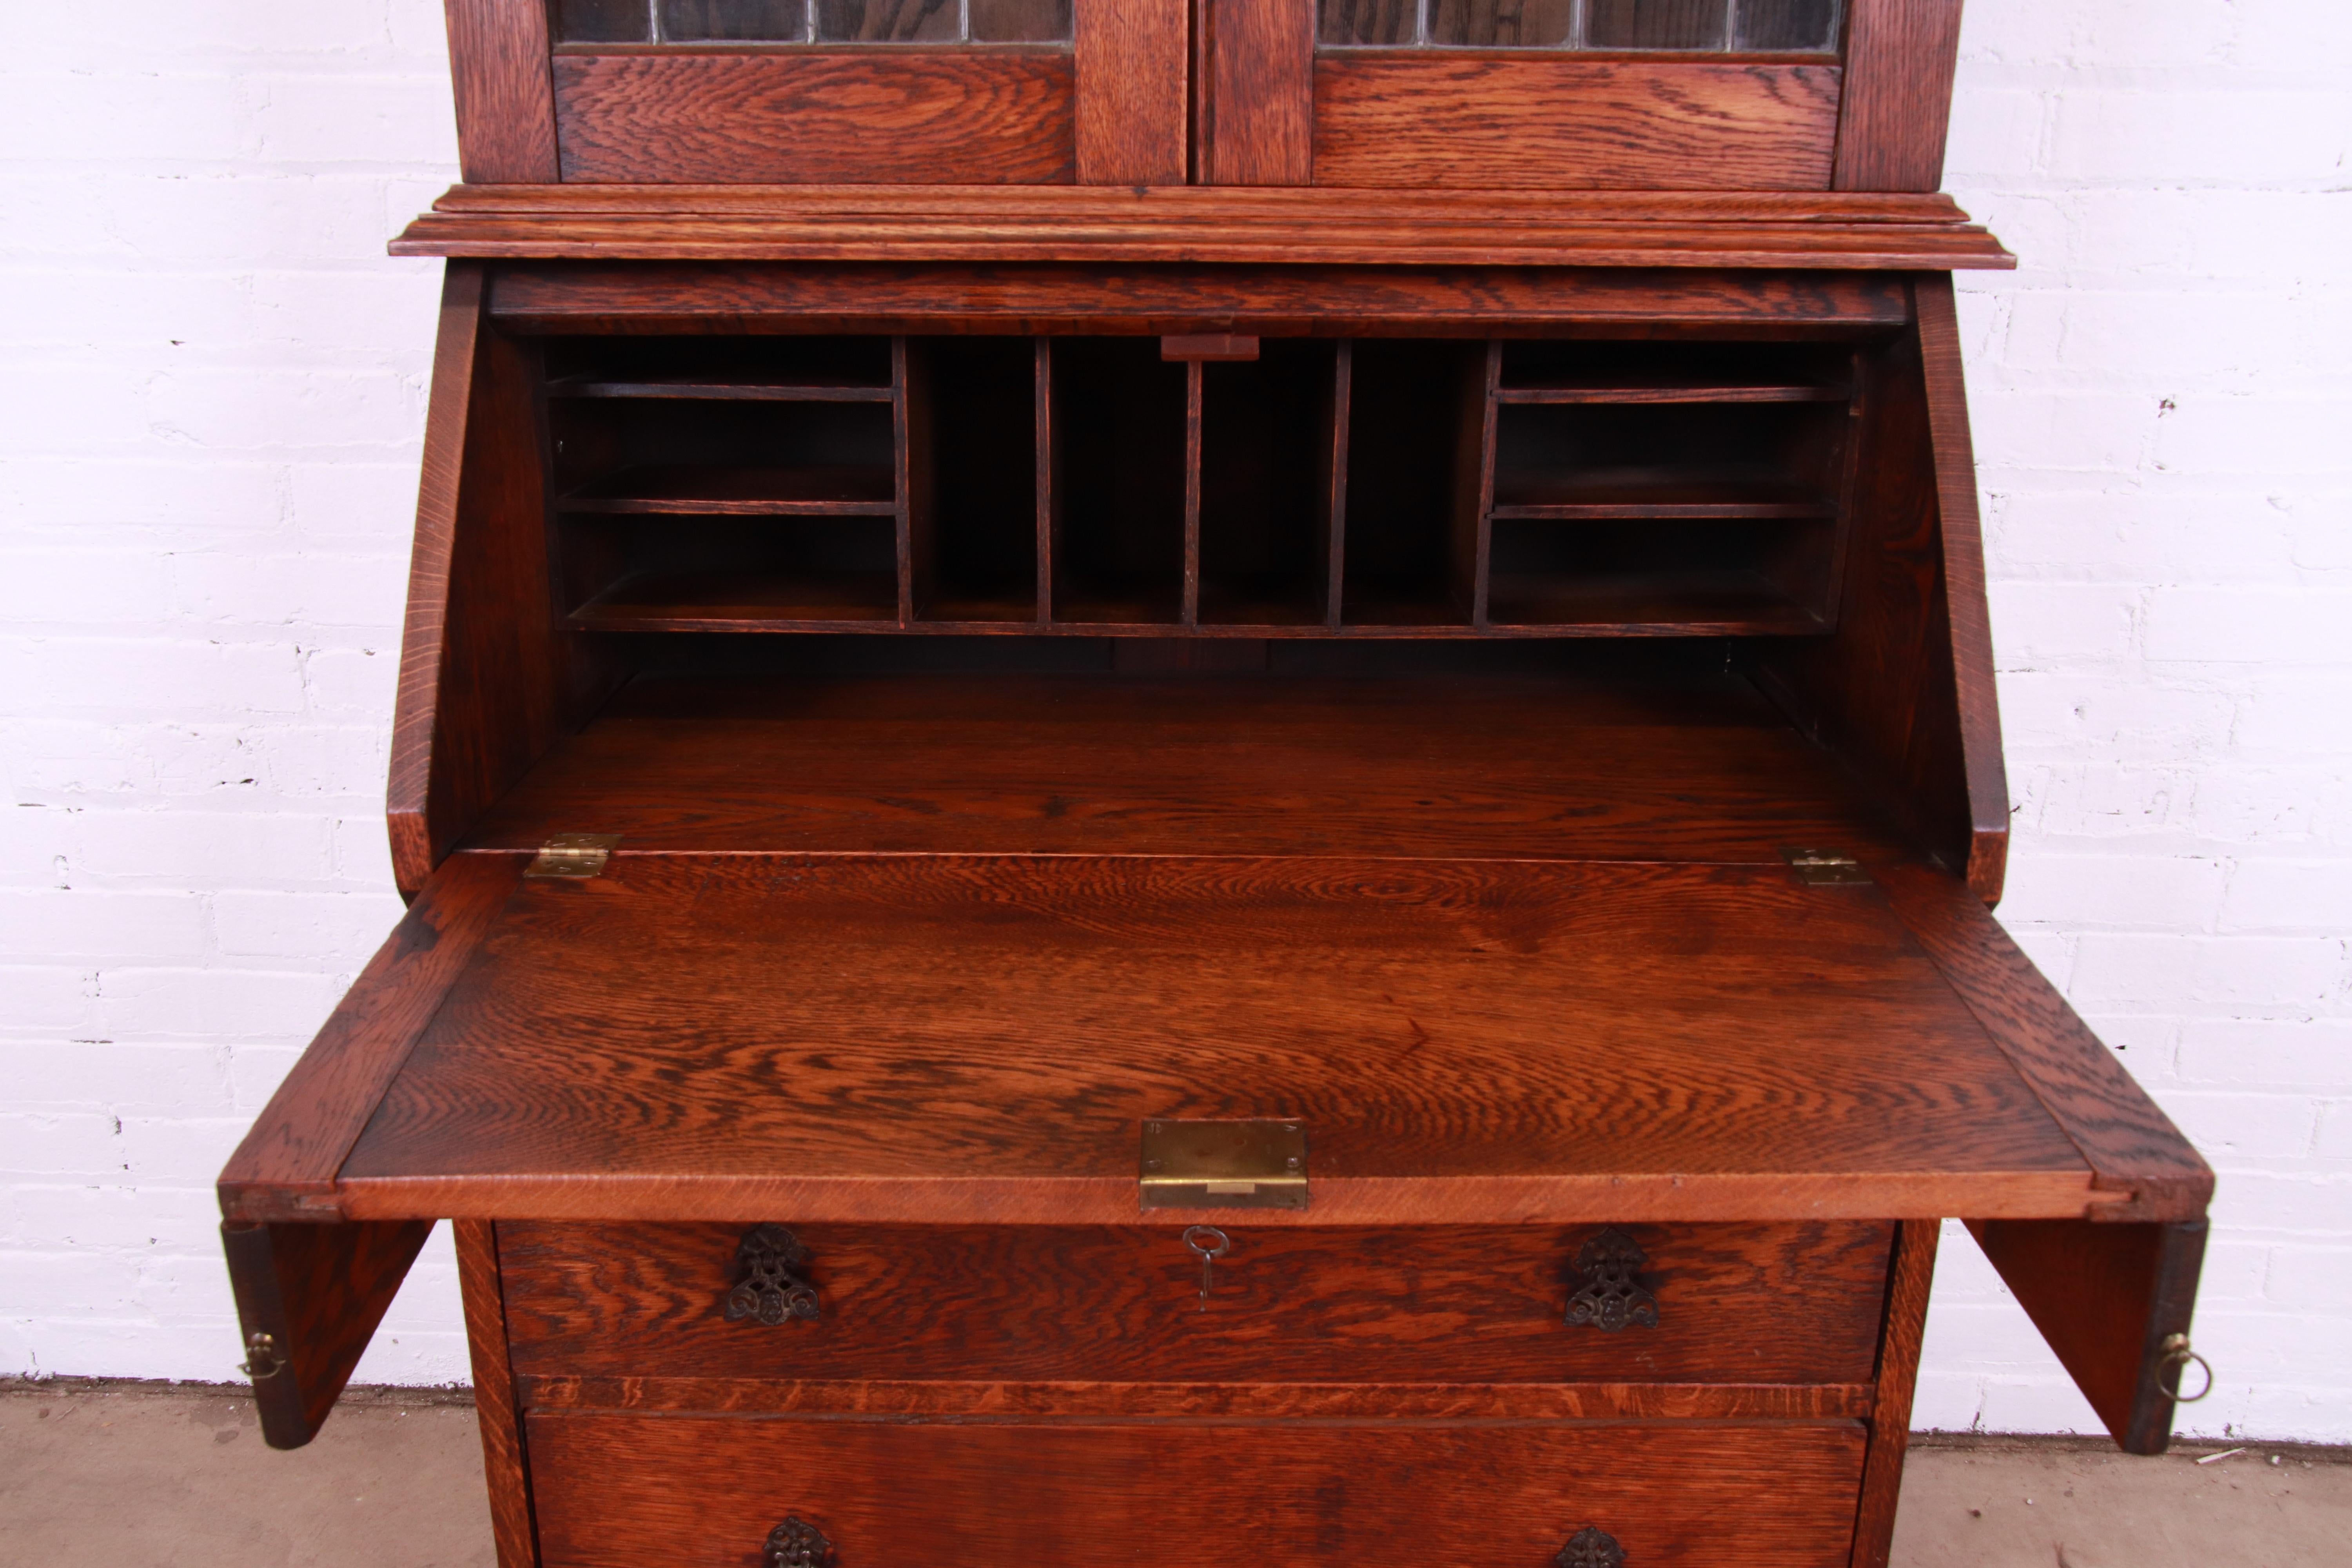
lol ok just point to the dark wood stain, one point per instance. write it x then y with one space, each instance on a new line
1504 120
626 1490
1110 1304
929 116
1525 768
632 1036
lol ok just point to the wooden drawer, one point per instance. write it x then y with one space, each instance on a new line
617 1489
1764 1304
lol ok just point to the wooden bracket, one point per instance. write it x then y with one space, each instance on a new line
309 1295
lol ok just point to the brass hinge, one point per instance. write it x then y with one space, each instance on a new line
1223 1164
1824 868
573 854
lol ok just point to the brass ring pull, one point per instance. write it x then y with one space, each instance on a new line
261 1357
2177 1357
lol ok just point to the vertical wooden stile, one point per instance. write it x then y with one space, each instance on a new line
505 1464
1254 109
1473 480
1911 1272
1049 511
1849 486
918 482
499 68
1895 99
1332 494
902 448
1195 381
1133 91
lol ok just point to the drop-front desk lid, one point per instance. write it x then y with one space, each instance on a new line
981 1038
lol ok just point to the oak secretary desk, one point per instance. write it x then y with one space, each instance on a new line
1202 778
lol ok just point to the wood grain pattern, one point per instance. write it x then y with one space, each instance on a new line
1300 226
1968 614
1256 125
1900 56
1881 692
1907 1287
1508 120
1133 92
2105 1298
286 1166
620 1490
619 1048
1029 1304
923 116
318 1290
415 843
1294 302
504 1466
2136 1152
964 1398
505 99
1525 767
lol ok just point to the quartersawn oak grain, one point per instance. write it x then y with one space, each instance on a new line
952 1039
2107 1297
877 1398
1306 225
927 116
286 1166
1966 616
1133 87
1900 56
1908 1285
2134 1151
1255 119
317 1291
1555 121
1299 301
626 1490
1526 767
505 1465
504 100
1436 1304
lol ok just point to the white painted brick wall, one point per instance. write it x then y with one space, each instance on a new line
210 417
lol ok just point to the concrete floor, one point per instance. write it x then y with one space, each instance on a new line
104 1474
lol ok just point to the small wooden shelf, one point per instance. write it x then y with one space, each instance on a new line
1636 493
1665 388
744 602
689 489
819 388
1646 603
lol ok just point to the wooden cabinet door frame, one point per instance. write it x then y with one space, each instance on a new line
1111 109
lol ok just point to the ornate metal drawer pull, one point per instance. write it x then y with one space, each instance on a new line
1611 1296
1592 1547
769 1283
797 1543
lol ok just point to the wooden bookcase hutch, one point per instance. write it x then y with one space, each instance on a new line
1201 771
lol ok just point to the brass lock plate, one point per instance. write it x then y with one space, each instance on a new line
1256 1164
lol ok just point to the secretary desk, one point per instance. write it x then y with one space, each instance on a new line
1201 780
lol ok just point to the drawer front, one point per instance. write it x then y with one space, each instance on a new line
617 1489
1735 1304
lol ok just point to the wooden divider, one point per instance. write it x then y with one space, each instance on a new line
1378 487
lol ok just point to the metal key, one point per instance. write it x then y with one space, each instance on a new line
1208 1244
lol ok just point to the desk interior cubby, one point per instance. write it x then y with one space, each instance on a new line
1318 487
